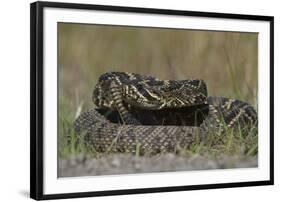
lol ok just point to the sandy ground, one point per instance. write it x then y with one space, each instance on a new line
127 164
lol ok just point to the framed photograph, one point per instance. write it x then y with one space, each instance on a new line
129 100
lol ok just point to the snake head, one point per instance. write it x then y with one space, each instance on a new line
149 98
177 95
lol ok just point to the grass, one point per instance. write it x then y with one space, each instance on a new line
227 61
240 142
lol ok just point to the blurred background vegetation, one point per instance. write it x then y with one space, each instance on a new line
227 61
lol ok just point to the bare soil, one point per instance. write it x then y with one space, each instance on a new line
128 164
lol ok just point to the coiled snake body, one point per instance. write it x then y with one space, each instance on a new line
137 113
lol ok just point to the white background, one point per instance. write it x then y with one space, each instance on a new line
14 101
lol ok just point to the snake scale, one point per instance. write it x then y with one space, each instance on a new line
143 114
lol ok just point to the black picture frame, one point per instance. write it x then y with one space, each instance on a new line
37 101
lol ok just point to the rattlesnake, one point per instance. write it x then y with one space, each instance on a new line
142 114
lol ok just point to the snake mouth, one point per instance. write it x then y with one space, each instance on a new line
145 104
